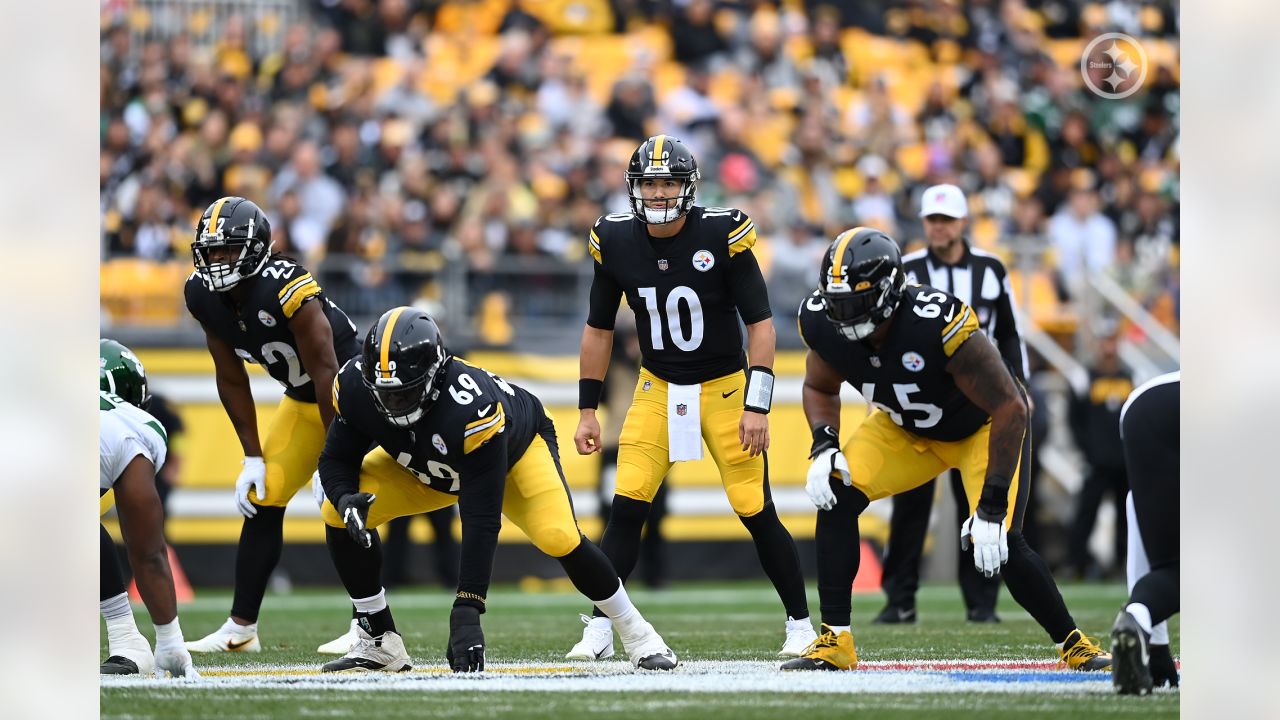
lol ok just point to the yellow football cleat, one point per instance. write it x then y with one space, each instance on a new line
1081 652
828 652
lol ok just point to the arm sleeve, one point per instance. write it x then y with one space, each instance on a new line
339 465
1008 339
480 508
606 293
746 283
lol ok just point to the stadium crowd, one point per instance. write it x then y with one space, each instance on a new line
389 139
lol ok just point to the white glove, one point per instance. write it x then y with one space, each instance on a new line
990 544
317 490
254 475
172 656
818 485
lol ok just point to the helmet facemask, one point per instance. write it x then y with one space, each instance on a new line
222 276
857 311
403 403
677 206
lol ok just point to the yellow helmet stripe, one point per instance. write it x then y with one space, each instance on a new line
384 367
213 217
656 158
842 243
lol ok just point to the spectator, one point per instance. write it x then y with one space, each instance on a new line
320 198
1083 238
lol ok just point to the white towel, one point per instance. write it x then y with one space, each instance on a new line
684 423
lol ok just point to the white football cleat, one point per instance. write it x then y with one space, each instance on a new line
800 635
384 653
597 640
231 637
342 644
646 648
130 655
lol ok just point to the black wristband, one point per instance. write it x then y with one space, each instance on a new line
758 396
993 502
824 437
589 391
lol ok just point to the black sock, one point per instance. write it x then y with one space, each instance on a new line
839 551
1031 584
1158 590
110 580
590 571
377 623
359 568
621 541
779 558
261 540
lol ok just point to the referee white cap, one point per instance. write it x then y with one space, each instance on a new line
946 200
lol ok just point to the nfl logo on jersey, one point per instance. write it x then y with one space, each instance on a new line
682 409
662 264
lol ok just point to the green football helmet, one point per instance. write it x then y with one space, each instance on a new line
120 372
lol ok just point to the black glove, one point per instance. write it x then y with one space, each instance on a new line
824 436
1163 669
353 508
466 640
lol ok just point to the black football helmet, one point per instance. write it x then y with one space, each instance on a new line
240 226
403 357
662 156
862 281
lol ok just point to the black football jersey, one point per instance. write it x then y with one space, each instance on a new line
475 407
259 328
907 377
687 291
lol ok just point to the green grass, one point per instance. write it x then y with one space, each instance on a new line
699 621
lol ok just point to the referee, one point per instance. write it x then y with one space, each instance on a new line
979 279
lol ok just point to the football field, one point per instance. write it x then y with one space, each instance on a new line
725 635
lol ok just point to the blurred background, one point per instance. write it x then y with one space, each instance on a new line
454 153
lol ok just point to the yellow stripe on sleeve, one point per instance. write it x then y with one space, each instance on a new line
959 330
299 295
284 291
593 247
336 391
483 430
744 242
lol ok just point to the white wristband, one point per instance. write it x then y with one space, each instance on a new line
169 634
759 394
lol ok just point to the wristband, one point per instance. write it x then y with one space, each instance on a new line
589 391
759 394
824 437
169 634
993 503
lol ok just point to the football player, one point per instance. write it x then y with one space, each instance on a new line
266 309
688 274
943 398
131 448
1140 636
446 432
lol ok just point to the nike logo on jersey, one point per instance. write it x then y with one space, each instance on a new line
233 646
725 395
485 410
950 313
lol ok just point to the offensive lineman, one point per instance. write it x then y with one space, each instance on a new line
943 399
265 309
688 274
449 432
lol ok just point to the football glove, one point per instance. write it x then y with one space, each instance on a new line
990 542
466 640
818 485
172 656
353 508
254 475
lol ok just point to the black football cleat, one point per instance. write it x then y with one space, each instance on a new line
1130 656
894 615
116 665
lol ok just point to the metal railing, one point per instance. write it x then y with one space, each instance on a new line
204 21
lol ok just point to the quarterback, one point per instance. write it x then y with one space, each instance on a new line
265 309
688 274
131 448
943 399
444 431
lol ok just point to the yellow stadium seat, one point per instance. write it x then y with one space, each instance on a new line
143 292
1065 52
1046 312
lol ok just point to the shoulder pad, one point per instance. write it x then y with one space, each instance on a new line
291 283
737 227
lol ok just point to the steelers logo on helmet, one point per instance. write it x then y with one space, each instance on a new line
661 157
233 242
403 357
861 280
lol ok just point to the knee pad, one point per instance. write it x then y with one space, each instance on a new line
330 515
556 541
765 517
747 500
